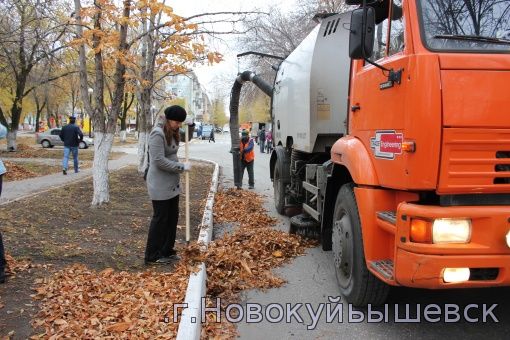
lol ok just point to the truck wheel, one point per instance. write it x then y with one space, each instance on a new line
358 286
279 189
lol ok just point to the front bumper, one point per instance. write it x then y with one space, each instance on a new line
487 254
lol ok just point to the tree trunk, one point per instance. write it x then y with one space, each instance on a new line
143 138
102 146
145 127
11 140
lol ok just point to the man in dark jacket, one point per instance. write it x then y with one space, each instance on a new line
71 135
262 139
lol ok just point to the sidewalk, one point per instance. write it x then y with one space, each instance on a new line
18 189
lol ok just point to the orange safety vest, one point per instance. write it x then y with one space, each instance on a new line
250 155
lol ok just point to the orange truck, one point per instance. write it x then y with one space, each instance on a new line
392 126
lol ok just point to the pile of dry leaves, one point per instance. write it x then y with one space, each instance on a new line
82 303
15 266
244 207
244 259
16 172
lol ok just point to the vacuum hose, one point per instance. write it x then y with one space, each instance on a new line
234 116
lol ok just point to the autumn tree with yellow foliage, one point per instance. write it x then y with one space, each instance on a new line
140 42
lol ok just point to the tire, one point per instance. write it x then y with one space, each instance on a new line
46 143
82 145
358 286
279 189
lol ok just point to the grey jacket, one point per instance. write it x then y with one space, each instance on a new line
163 180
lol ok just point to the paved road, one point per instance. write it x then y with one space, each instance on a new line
311 280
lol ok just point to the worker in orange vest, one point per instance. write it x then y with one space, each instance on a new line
247 158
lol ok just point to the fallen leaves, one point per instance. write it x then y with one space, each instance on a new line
81 303
244 259
17 172
15 266
244 207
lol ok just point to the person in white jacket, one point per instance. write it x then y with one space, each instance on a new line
3 170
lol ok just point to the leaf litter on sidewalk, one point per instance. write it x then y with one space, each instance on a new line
80 302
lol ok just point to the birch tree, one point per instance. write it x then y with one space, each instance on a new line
165 40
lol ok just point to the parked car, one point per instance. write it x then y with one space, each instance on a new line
206 130
50 138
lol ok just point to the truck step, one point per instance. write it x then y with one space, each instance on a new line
310 188
388 216
311 211
383 267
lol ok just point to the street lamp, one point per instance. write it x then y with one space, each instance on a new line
90 90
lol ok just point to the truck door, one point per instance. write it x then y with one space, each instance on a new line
377 115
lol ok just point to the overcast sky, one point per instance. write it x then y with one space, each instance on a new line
227 69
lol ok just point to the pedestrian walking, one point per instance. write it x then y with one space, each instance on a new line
269 141
3 170
247 158
262 139
211 136
163 185
71 135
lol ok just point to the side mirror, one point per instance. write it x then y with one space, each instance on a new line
362 45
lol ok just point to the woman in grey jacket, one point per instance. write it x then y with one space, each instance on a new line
163 184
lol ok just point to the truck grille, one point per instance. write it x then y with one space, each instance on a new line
503 168
475 161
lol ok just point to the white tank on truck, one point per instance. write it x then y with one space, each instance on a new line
311 88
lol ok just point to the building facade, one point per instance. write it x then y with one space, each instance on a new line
187 87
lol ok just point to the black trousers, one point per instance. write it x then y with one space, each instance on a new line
2 252
162 230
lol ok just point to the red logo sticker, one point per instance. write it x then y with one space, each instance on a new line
386 144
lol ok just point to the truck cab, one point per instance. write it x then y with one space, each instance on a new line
427 150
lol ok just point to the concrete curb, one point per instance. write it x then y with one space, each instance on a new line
190 326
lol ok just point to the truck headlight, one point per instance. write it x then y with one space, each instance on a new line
455 275
445 230
508 239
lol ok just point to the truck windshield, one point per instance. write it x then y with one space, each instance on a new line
466 25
